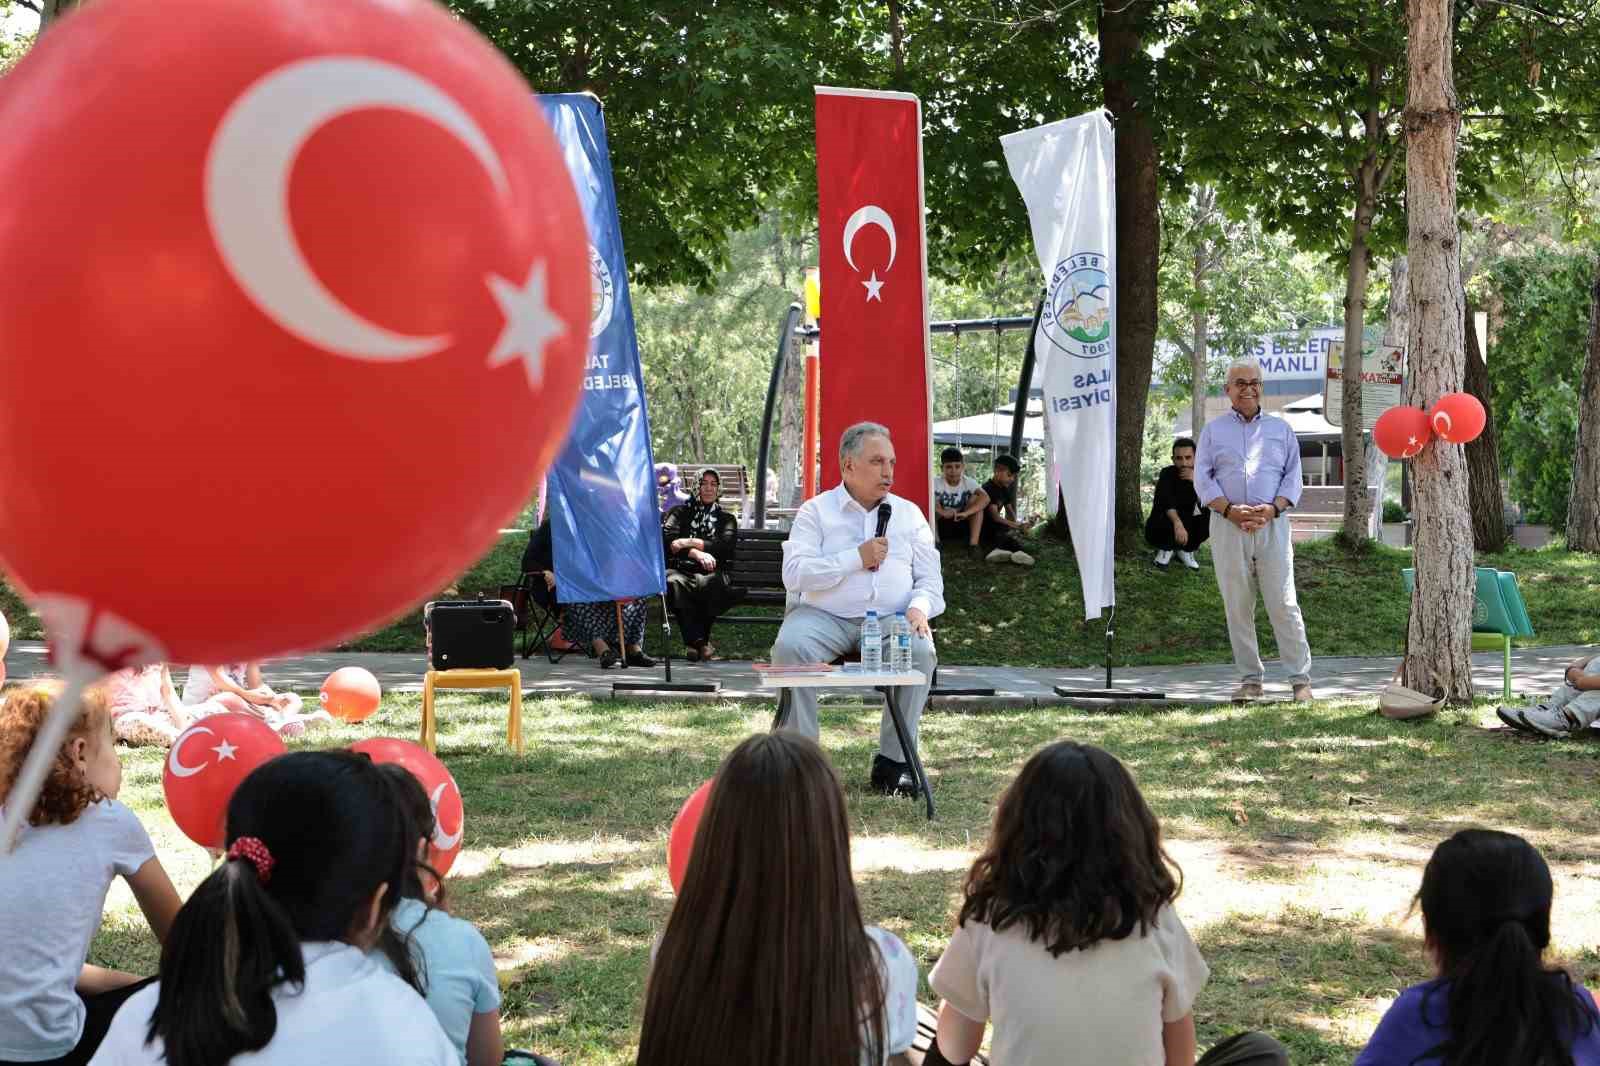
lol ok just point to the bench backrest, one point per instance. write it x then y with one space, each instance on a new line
1499 607
758 559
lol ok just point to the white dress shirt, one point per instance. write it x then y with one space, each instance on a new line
822 563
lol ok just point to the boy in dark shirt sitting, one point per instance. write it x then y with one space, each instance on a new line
1000 533
1177 522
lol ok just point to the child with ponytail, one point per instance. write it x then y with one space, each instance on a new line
269 955
1485 901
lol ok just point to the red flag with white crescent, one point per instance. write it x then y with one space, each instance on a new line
874 349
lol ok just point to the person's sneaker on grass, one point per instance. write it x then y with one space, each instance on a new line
1022 558
999 555
1551 721
1188 560
1512 717
1163 558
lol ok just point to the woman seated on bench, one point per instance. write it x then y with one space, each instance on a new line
698 537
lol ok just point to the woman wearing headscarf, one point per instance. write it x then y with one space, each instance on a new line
698 537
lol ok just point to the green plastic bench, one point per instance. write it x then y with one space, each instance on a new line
1498 615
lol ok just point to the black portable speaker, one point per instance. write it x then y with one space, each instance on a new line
470 634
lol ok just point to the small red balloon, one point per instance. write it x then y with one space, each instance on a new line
351 693
680 841
449 813
1402 432
1458 417
341 222
206 764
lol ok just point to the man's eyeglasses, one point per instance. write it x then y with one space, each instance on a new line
1251 383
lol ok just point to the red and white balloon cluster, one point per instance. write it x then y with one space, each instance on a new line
1402 432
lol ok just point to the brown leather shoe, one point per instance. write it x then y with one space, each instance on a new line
1247 691
1302 694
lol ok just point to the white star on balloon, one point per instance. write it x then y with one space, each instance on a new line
530 324
873 285
1412 441
224 751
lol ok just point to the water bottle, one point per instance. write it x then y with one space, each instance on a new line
871 644
900 655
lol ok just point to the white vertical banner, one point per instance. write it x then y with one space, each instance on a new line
1066 172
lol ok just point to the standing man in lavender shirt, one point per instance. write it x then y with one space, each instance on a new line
1247 473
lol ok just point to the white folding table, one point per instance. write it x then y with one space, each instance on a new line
886 682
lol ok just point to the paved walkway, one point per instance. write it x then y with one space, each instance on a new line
1534 671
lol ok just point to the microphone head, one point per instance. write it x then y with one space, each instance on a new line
883 517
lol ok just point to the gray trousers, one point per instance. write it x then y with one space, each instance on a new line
1584 704
812 635
1261 560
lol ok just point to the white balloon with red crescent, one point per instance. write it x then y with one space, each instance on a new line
248 167
442 840
176 765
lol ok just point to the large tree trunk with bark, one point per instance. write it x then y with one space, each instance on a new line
1440 634
1489 531
791 425
1583 508
1125 76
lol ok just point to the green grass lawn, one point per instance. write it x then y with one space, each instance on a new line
1301 831
1354 604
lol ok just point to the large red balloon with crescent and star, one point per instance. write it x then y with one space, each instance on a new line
444 795
305 315
205 766
1402 431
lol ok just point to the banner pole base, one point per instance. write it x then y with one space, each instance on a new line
1110 692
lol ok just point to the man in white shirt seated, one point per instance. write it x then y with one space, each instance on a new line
836 568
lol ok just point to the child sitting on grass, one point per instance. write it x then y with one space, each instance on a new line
280 710
1067 937
54 1005
450 956
1485 901
1002 532
764 959
268 960
1567 711
146 710
958 503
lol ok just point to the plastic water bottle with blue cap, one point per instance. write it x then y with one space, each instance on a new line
871 644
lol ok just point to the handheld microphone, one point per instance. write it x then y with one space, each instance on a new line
883 520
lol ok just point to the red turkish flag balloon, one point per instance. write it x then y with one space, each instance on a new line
449 813
1458 417
1402 431
680 840
307 306
206 764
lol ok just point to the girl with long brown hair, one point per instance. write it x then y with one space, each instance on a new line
765 959
1067 937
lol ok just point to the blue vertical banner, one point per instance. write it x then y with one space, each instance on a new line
605 519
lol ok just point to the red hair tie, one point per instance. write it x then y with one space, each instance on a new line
254 851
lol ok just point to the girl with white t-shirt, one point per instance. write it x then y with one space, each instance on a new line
764 958
1067 937
267 961
55 1005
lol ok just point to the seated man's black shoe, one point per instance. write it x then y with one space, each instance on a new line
639 658
893 778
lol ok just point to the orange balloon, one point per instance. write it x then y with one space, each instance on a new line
351 693
680 841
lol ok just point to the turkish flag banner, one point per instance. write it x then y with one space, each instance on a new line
874 261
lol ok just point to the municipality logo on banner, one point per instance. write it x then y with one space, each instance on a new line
1066 173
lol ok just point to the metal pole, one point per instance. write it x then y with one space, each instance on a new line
773 384
1019 413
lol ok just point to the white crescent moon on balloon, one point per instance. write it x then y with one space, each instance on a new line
870 215
248 166
176 766
442 840
1443 423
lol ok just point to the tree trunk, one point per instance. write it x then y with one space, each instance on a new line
1440 633
1489 531
1197 357
49 10
1583 509
791 425
1352 432
1125 80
